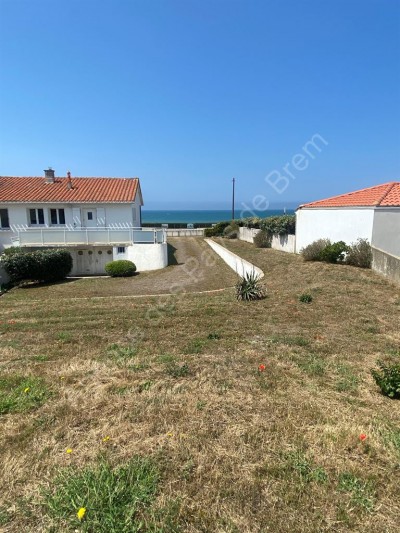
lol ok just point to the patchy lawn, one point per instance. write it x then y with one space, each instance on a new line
167 391
193 267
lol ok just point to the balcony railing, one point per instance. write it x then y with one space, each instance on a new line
88 236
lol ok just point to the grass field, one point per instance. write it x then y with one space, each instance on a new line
152 414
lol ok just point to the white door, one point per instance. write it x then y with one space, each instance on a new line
89 218
92 262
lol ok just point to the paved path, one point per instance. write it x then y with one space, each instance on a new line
238 264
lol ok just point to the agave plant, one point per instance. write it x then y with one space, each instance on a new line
249 287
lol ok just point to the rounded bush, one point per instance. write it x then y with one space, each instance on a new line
360 254
334 253
121 268
231 231
312 252
262 239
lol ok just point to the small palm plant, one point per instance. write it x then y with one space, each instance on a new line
249 287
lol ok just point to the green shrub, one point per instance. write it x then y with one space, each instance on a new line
360 254
279 225
217 230
250 222
121 268
231 231
388 378
249 288
334 253
11 250
41 265
262 239
312 252
306 298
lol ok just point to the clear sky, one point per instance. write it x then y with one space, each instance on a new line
187 94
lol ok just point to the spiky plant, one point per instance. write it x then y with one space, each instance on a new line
249 287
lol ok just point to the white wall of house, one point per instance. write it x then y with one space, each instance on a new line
336 224
111 215
386 242
386 230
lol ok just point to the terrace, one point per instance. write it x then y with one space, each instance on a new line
87 236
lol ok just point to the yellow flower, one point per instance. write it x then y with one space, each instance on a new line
68 450
27 389
170 434
81 513
106 439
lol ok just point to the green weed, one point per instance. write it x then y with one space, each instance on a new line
19 394
117 499
362 493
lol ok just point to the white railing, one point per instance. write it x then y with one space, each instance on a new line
88 236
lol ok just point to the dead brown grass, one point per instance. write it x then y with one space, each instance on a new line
227 438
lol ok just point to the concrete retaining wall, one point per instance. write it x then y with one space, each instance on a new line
386 264
239 265
284 243
148 256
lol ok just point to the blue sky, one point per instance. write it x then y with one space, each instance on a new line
187 94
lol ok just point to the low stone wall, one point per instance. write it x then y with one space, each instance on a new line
284 243
386 264
236 263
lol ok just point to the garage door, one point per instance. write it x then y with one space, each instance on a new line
92 262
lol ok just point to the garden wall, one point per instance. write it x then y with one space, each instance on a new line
284 243
386 264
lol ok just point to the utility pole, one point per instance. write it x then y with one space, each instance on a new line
233 199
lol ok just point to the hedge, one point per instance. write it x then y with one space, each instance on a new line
41 265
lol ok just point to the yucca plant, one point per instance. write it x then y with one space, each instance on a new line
249 287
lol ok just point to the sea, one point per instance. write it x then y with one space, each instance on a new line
206 216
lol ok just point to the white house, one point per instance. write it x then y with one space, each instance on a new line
372 213
97 219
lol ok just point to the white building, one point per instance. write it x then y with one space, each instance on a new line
97 219
372 213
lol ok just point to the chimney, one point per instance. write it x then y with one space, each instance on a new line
69 181
49 175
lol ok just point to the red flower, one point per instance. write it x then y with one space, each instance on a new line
261 368
363 436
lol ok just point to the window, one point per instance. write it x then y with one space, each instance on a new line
36 217
90 215
4 221
121 250
57 217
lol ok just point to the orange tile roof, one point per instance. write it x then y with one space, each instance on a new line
85 190
387 194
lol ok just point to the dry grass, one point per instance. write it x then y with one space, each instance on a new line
238 450
193 267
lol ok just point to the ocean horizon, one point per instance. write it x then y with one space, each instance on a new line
209 216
